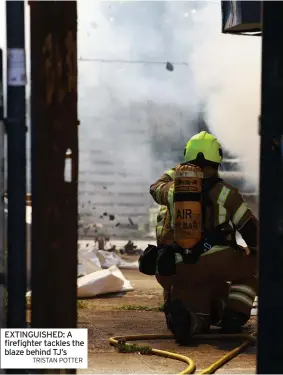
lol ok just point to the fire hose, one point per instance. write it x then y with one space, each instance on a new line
248 339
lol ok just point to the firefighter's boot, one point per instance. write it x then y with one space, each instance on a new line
233 321
185 323
168 316
217 309
166 308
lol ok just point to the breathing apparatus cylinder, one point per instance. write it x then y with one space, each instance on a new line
188 185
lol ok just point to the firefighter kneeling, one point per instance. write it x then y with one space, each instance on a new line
207 278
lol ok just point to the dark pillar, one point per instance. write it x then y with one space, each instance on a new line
16 132
54 129
270 320
2 226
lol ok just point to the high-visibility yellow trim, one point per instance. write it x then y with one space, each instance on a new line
242 298
171 173
171 204
222 213
162 213
240 213
223 196
244 289
160 222
163 209
159 230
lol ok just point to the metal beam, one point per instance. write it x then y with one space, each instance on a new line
16 135
53 28
270 313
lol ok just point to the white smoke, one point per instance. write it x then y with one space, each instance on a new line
227 70
129 96
223 74
128 108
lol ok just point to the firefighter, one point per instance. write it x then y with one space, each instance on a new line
220 288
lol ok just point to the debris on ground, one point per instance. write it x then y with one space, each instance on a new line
130 249
101 241
98 272
100 282
112 248
92 257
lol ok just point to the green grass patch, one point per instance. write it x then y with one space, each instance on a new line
123 347
141 308
81 304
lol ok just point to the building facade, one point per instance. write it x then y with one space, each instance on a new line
116 169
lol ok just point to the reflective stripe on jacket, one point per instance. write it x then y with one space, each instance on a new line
160 192
228 206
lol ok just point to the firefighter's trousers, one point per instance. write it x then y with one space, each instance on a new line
201 285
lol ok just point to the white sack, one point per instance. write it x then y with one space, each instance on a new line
89 259
108 259
127 287
81 270
105 281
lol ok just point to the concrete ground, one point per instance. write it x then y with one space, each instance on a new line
119 315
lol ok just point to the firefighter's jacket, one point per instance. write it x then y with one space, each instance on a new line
228 206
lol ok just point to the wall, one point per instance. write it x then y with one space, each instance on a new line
109 184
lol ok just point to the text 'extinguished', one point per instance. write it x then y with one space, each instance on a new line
44 348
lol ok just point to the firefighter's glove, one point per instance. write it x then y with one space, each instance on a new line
166 262
241 249
247 250
148 260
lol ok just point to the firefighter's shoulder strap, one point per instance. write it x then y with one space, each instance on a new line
208 208
210 236
209 183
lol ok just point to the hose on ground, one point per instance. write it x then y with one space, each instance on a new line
120 342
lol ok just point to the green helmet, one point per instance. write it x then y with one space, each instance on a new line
203 145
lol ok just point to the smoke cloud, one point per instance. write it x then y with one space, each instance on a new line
214 73
130 91
227 70
136 115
